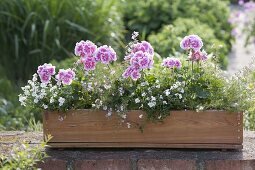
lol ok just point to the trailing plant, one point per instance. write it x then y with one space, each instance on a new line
143 81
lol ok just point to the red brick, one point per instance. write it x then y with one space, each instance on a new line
52 164
164 164
103 164
230 164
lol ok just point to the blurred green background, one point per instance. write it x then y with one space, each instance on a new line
33 32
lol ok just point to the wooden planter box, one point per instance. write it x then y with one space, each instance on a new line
182 129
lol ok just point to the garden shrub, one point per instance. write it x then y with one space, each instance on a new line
150 16
37 31
167 41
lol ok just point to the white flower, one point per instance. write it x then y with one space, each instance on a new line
128 125
36 100
153 98
143 94
144 83
167 92
45 106
161 97
107 86
182 90
121 108
157 81
58 83
164 102
151 104
124 116
141 116
137 100
158 86
22 100
105 108
43 85
61 101
51 100
34 78
112 72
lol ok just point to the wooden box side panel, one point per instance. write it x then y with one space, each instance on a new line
181 127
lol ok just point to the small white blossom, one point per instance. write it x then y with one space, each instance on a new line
141 116
43 85
151 104
164 102
137 100
61 101
45 106
34 78
153 98
51 100
158 86
167 92
36 100
105 108
128 125
143 94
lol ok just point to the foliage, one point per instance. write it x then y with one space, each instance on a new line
181 27
24 157
138 15
38 31
195 84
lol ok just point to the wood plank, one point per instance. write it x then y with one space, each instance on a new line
143 145
181 127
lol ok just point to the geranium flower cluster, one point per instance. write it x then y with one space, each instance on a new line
194 43
171 62
65 76
140 57
90 54
45 72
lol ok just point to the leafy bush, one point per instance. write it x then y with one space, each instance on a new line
24 156
149 16
38 31
167 41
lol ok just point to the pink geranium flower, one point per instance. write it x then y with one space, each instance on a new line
191 42
85 48
66 76
171 62
105 54
45 72
89 63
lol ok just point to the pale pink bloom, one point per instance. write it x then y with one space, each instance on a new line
45 72
171 62
128 72
191 42
89 63
85 48
105 54
144 46
135 75
198 56
66 76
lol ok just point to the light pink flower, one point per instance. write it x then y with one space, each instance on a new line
105 54
128 72
45 72
89 63
85 48
198 56
144 46
135 75
171 62
66 76
191 42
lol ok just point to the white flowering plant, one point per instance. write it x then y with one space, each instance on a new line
141 82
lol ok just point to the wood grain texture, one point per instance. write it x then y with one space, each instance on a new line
87 128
